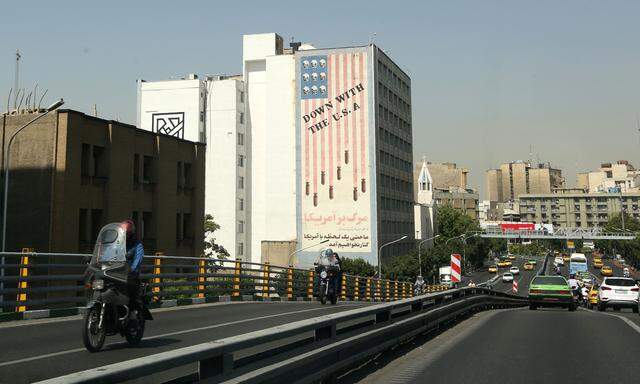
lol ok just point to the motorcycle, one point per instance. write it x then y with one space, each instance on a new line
109 310
328 274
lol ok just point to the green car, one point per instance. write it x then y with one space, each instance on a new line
550 291
533 261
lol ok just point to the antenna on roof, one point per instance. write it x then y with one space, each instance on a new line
17 77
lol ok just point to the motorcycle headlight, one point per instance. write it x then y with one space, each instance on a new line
323 274
98 284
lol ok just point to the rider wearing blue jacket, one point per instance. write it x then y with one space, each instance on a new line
135 253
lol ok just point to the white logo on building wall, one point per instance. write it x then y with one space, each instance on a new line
171 124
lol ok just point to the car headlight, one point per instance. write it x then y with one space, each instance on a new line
98 284
323 274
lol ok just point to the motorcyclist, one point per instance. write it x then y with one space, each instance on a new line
626 272
471 284
419 284
135 253
573 283
585 294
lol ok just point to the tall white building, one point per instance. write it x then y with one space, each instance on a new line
210 110
282 171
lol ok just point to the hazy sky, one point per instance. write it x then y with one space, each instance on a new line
489 78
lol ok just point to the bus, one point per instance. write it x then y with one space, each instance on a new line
577 263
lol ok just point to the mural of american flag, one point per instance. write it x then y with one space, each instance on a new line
334 156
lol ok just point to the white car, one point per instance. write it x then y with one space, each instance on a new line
507 277
618 292
558 261
514 270
586 280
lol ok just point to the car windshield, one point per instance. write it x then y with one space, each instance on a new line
620 282
549 280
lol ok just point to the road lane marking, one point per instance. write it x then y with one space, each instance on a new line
213 326
630 323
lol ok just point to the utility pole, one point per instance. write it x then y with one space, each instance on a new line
17 79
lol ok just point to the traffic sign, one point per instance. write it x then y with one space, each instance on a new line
456 269
570 244
514 288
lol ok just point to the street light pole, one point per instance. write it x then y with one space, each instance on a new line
380 254
300 250
419 256
7 157
7 150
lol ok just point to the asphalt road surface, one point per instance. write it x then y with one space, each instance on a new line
523 346
40 349
523 279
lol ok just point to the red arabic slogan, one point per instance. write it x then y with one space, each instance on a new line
338 123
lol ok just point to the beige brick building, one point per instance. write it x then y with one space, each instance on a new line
577 210
72 173
517 178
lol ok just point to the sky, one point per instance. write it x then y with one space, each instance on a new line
492 81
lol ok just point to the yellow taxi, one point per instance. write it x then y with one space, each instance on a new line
511 257
593 297
597 263
527 266
504 263
566 258
606 271
493 269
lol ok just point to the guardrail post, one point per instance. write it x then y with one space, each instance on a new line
237 271
290 282
22 284
310 285
377 294
343 288
386 291
157 270
395 290
405 291
356 289
201 278
265 280
367 290
215 366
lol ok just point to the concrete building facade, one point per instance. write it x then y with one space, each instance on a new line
611 177
517 178
266 121
577 210
72 173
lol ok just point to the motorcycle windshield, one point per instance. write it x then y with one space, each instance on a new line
109 253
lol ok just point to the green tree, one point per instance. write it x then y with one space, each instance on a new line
629 249
211 249
357 267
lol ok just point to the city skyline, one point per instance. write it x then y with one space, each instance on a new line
489 85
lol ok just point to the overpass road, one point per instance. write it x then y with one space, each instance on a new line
40 349
521 346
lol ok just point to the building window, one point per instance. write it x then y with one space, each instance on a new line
96 222
85 162
201 117
136 169
241 204
240 160
240 138
99 162
83 237
241 118
146 231
179 175
240 249
147 169
188 175
136 220
241 226
179 233
240 182
241 96
187 226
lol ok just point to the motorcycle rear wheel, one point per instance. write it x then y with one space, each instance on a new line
92 337
134 338
323 298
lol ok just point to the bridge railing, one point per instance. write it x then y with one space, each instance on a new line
35 281
304 351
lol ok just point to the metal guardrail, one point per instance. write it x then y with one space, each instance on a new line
307 350
55 280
